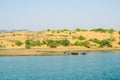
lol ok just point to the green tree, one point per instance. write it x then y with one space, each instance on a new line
18 43
35 43
65 42
27 43
52 44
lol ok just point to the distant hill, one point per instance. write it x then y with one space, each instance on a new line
14 30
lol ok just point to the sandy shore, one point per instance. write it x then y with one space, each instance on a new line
49 51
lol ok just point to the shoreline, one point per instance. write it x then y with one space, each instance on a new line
50 51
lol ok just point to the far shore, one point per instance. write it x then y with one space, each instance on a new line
49 51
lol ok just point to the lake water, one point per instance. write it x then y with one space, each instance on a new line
93 66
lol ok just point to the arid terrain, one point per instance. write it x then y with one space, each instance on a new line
60 40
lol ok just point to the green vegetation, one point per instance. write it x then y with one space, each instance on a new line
30 43
84 43
102 43
119 42
35 43
119 32
48 30
77 29
13 34
103 30
111 31
81 38
27 43
55 43
65 42
52 44
1 46
18 43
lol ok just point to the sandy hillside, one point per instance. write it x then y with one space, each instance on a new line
7 40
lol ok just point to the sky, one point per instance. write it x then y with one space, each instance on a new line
59 14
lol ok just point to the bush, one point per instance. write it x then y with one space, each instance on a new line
35 43
77 29
119 42
119 32
99 30
79 43
48 30
28 46
52 43
18 43
104 30
85 43
102 43
111 31
65 42
27 43
81 38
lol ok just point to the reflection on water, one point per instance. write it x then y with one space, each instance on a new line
93 66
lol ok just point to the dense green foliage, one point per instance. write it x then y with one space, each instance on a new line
81 38
65 42
18 43
55 43
30 43
102 43
52 43
27 46
103 30
35 43
119 42
84 43
27 43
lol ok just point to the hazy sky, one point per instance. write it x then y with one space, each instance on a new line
59 14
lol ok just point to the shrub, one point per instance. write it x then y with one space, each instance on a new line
53 31
58 31
52 43
27 43
77 29
28 46
65 42
119 32
105 43
102 43
48 30
18 43
104 30
79 43
119 42
35 43
44 42
99 30
85 43
81 38
111 31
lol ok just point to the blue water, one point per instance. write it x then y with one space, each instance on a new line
93 66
